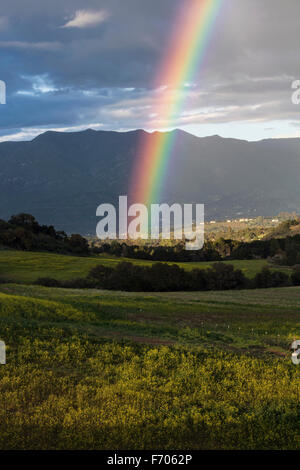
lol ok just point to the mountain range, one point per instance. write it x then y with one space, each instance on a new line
61 178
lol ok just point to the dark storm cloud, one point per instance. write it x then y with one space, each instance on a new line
65 67
119 51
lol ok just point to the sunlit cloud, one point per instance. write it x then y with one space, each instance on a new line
87 19
40 84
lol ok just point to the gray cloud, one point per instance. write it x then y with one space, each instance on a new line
101 69
28 46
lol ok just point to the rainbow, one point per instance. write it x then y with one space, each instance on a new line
188 47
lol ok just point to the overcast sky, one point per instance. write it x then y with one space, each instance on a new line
74 64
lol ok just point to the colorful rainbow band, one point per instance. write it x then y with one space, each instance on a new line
185 55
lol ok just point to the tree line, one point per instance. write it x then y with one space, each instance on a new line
23 232
287 250
161 277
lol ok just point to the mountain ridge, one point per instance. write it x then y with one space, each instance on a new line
61 177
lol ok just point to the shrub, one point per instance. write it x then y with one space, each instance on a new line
223 277
164 277
47 282
296 277
79 283
267 278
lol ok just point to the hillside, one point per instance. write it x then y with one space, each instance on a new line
92 370
283 230
61 178
27 267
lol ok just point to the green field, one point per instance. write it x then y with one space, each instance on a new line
114 370
26 267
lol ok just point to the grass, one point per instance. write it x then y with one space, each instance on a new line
94 369
26 267
240 319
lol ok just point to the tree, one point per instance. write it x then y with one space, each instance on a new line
26 221
267 278
78 244
274 247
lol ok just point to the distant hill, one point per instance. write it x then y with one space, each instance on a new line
288 228
61 178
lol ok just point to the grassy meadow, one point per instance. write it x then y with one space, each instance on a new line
26 267
91 369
